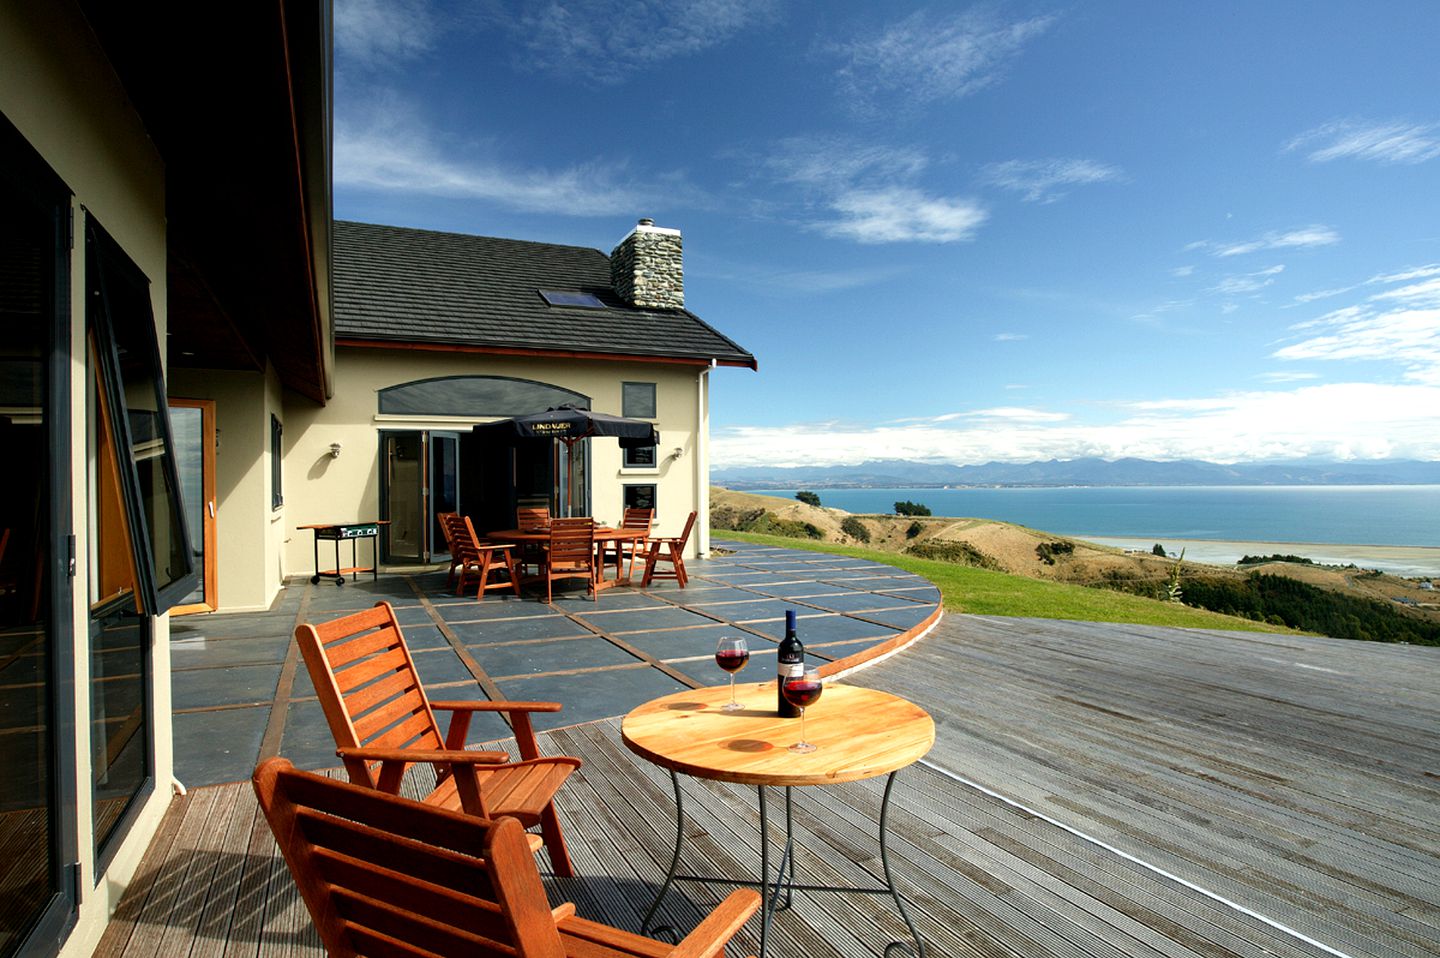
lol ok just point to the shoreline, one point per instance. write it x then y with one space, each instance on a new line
1408 561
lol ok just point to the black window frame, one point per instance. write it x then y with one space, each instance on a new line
111 265
630 457
625 500
277 459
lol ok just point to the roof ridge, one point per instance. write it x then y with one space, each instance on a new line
470 236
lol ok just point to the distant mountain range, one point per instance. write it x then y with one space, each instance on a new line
901 473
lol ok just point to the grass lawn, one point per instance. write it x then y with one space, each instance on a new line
983 592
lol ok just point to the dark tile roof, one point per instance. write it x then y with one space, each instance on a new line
418 286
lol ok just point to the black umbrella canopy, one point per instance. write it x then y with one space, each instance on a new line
570 424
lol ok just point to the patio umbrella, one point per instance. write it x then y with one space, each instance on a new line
569 424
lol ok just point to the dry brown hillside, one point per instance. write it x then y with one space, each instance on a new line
1012 548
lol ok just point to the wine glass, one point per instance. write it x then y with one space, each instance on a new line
731 655
802 690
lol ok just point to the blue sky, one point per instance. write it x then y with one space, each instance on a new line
960 232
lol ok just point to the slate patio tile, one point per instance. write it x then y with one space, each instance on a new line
512 630
836 628
236 685
212 748
647 619
528 658
200 652
903 618
494 607
440 665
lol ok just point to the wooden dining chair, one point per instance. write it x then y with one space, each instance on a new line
529 518
383 721
570 553
470 554
381 875
443 519
671 550
622 549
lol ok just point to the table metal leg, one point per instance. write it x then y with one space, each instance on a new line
765 895
919 950
674 857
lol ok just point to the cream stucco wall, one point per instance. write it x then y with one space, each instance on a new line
319 488
57 88
249 533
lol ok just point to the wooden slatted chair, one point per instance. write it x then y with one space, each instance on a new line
383 721
471 555
443 518
670 549
639 519
531 519
570 555
382 875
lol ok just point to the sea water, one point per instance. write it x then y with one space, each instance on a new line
1356 515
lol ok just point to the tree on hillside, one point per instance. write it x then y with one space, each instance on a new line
1158 550
908 508
808 497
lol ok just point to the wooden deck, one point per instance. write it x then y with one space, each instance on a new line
1096 790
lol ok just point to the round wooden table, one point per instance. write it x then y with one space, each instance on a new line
861 733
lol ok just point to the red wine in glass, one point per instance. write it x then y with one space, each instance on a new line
801 691
731 655
732 660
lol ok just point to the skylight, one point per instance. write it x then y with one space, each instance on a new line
571 297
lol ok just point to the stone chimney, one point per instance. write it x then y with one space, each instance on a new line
646 268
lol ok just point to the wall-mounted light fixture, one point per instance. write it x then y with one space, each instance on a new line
677 453
334 450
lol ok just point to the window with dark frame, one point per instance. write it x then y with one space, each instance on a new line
277 489
640 496
637 401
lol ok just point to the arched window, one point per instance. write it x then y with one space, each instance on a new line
475 396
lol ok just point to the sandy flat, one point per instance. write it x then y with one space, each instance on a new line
1397 560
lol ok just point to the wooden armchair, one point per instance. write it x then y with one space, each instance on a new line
443 519
571 554
669 549
530 519
469 554
382 721
382 875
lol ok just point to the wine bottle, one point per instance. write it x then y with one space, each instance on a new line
790 661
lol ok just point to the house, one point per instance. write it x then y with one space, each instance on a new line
178 392
437 332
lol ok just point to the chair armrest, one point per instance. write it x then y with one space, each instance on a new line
478 706
451 756
709 937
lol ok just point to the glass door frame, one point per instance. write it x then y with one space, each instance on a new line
209 511
26 169
434 545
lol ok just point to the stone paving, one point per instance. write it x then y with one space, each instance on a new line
240 692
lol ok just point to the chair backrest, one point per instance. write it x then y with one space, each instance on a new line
637 519
365 678
572 541
685 536
460 532
531 517
443 518
383 875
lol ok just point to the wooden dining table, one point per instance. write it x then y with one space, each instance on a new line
860 733
602 536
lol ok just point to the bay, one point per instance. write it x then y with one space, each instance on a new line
1354 515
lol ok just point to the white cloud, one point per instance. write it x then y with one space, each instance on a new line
1302 237
377 33
608 40
1400 326
1045 180
1019 414
1288 377
828 160
391 151
1386 141
929 57
1247 282
1426 292
1180 272
1354 420
1009 337
1406 275
902 215
1227 308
